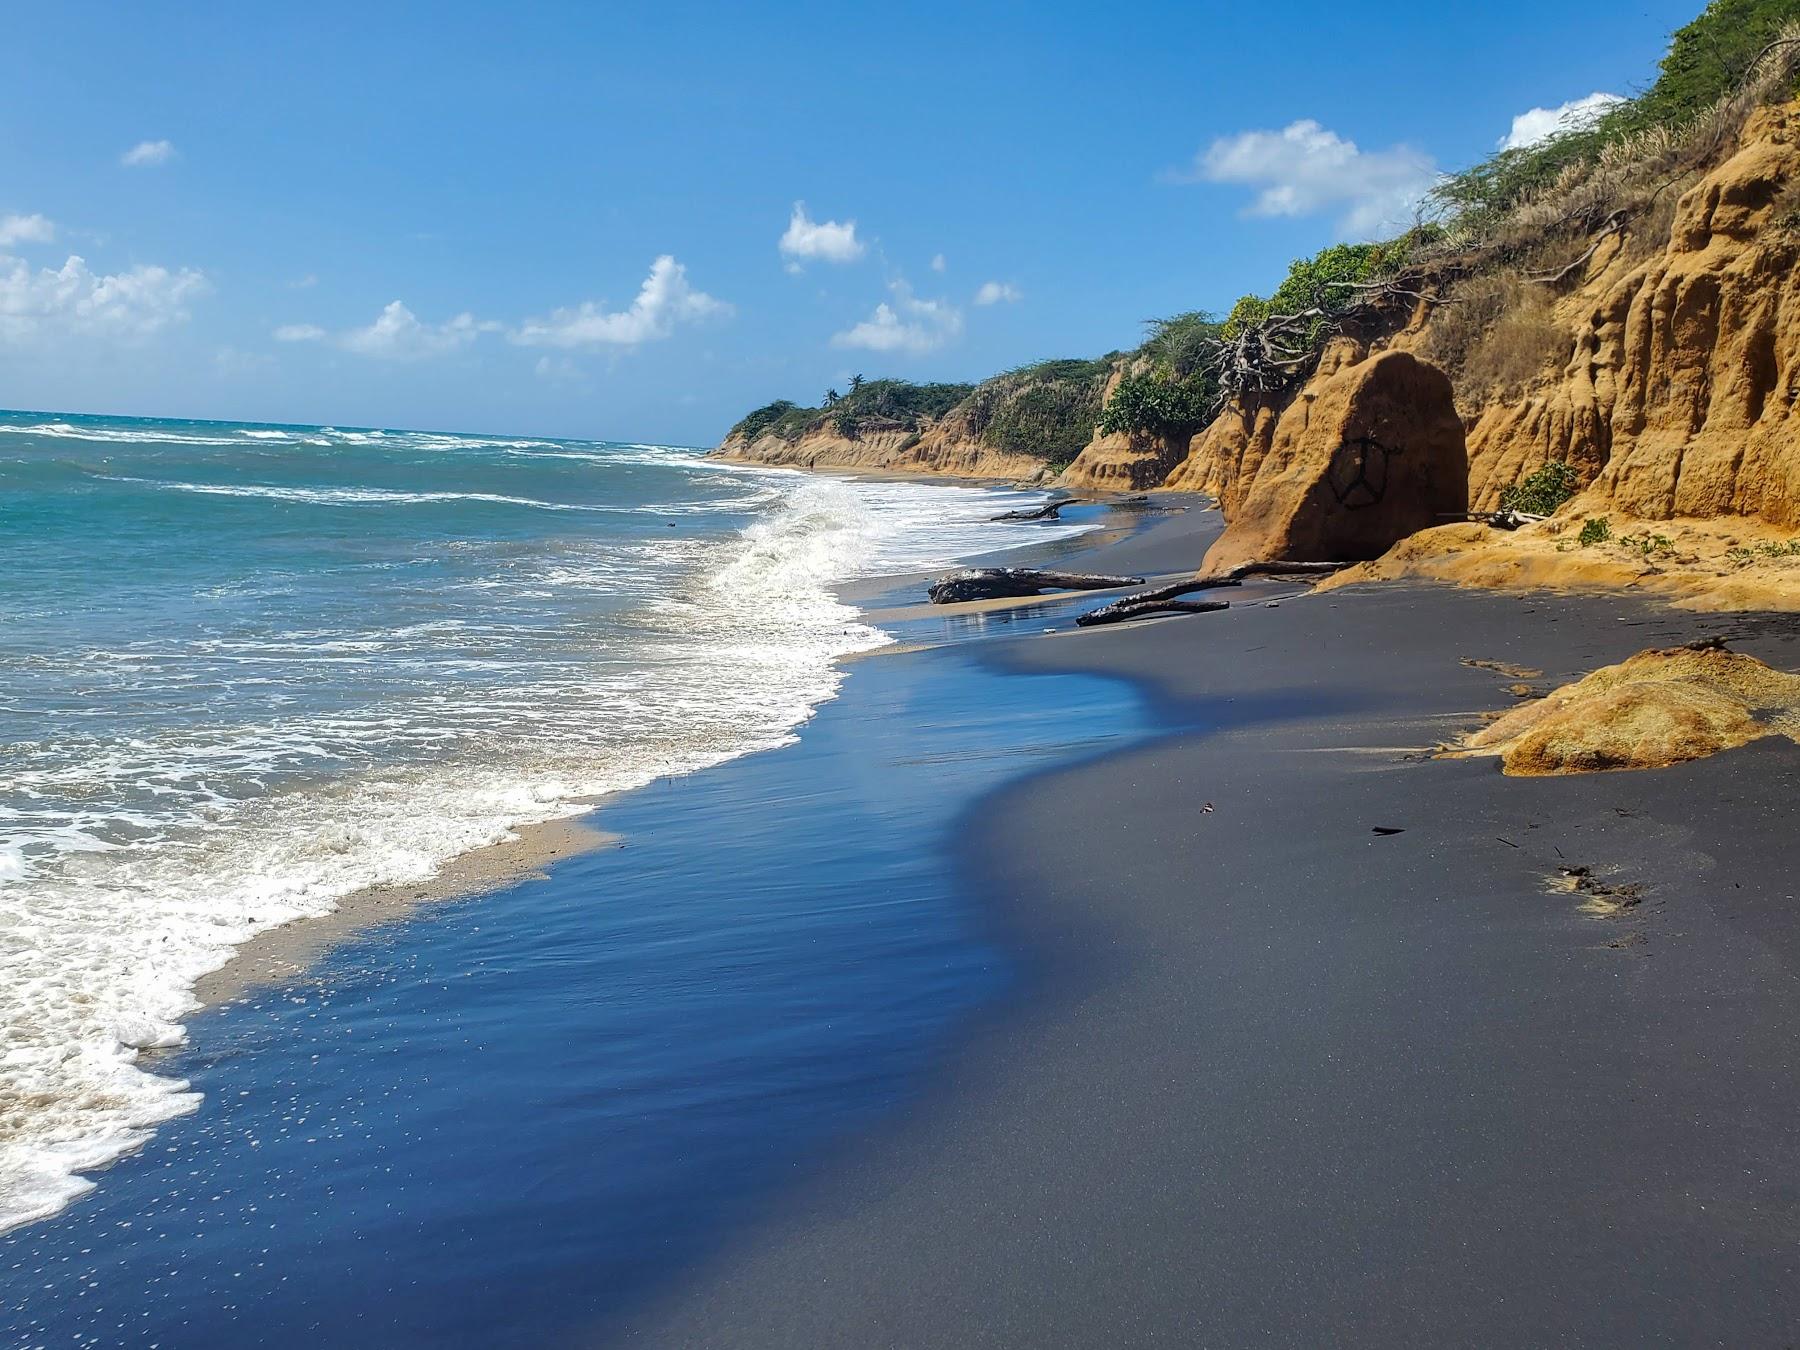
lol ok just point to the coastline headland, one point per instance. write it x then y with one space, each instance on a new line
1580 373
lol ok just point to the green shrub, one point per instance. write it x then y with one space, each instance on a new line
1596 530
783 418
1159 405
1540 492
1179 346
1650 545
1743 557
1046 409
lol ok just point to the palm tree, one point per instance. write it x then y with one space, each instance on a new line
856 382
832 396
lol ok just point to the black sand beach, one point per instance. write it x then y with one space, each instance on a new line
1276 1078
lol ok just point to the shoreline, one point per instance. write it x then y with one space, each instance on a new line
285 952
280 954
640 1052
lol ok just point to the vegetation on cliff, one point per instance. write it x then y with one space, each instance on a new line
870 405
1047 409
1708 60
1191 365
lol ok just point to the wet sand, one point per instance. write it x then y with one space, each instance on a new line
282 953
1276 1078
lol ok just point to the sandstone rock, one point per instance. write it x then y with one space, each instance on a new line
1124 462
1364 456
937 449
1121 462
1658 708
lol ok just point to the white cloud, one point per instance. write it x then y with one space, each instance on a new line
398 335
32 229
908 325
821 240
998 292
937 262
1540 124
75 301
1306 168
232 362
559 370
305 283
148 154
663 301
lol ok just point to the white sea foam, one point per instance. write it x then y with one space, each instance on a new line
365 496
135 866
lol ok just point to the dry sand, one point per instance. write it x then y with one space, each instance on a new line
1277 1078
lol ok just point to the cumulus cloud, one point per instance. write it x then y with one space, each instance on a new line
1305 168
148 154
32 229
665 300
398 335
998 292
75 301
1540 124
908 325
811 240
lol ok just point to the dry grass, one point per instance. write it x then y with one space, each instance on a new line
1641 175
1497 340
1786 217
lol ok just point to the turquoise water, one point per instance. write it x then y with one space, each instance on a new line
514 1121
251 669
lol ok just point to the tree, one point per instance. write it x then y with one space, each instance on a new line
832 396
856 382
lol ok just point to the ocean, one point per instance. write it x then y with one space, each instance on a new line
251 670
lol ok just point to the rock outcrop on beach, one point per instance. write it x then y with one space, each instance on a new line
1365 455
1658 708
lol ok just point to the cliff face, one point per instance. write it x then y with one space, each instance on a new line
1121 461
1664 366
1024 424
1363 458
1680 395
940 448
1668 374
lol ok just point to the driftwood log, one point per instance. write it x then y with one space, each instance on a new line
1048 511
1499 520
992 583
1167 599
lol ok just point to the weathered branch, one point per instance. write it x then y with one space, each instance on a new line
1145 602
991 583
1615 223
1137 609
1048 511
1499 520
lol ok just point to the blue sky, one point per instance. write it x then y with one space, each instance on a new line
570 218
